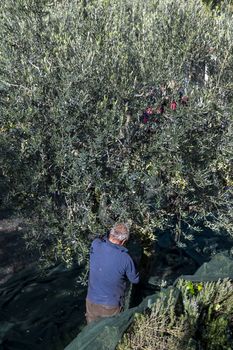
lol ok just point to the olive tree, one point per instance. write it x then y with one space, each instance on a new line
75 78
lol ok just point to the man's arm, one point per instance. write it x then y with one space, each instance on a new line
131 272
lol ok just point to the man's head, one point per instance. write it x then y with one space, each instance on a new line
119 233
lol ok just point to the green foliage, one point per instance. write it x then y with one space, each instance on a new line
218 334
216 4
205 322
193 288
160 329
75 77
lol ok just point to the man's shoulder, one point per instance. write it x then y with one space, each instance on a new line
97 241
127 256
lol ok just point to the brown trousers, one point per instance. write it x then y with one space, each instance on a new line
97 311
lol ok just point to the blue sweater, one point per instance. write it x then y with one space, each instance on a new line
110 267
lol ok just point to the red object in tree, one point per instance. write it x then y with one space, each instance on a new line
173 105
145 119
149 111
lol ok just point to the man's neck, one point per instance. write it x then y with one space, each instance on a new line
115 240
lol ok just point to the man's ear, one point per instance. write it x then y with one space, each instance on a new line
123 242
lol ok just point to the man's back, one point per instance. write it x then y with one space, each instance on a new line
110 267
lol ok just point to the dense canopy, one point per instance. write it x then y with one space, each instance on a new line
75 80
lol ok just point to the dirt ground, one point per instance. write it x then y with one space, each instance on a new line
13 253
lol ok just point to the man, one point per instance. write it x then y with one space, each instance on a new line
110 267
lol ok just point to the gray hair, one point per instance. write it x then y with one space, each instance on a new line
120 231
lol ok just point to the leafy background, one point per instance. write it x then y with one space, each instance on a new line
75 77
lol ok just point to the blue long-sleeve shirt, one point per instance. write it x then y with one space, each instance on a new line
110 267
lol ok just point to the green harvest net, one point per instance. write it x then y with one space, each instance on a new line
46 310
105 334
